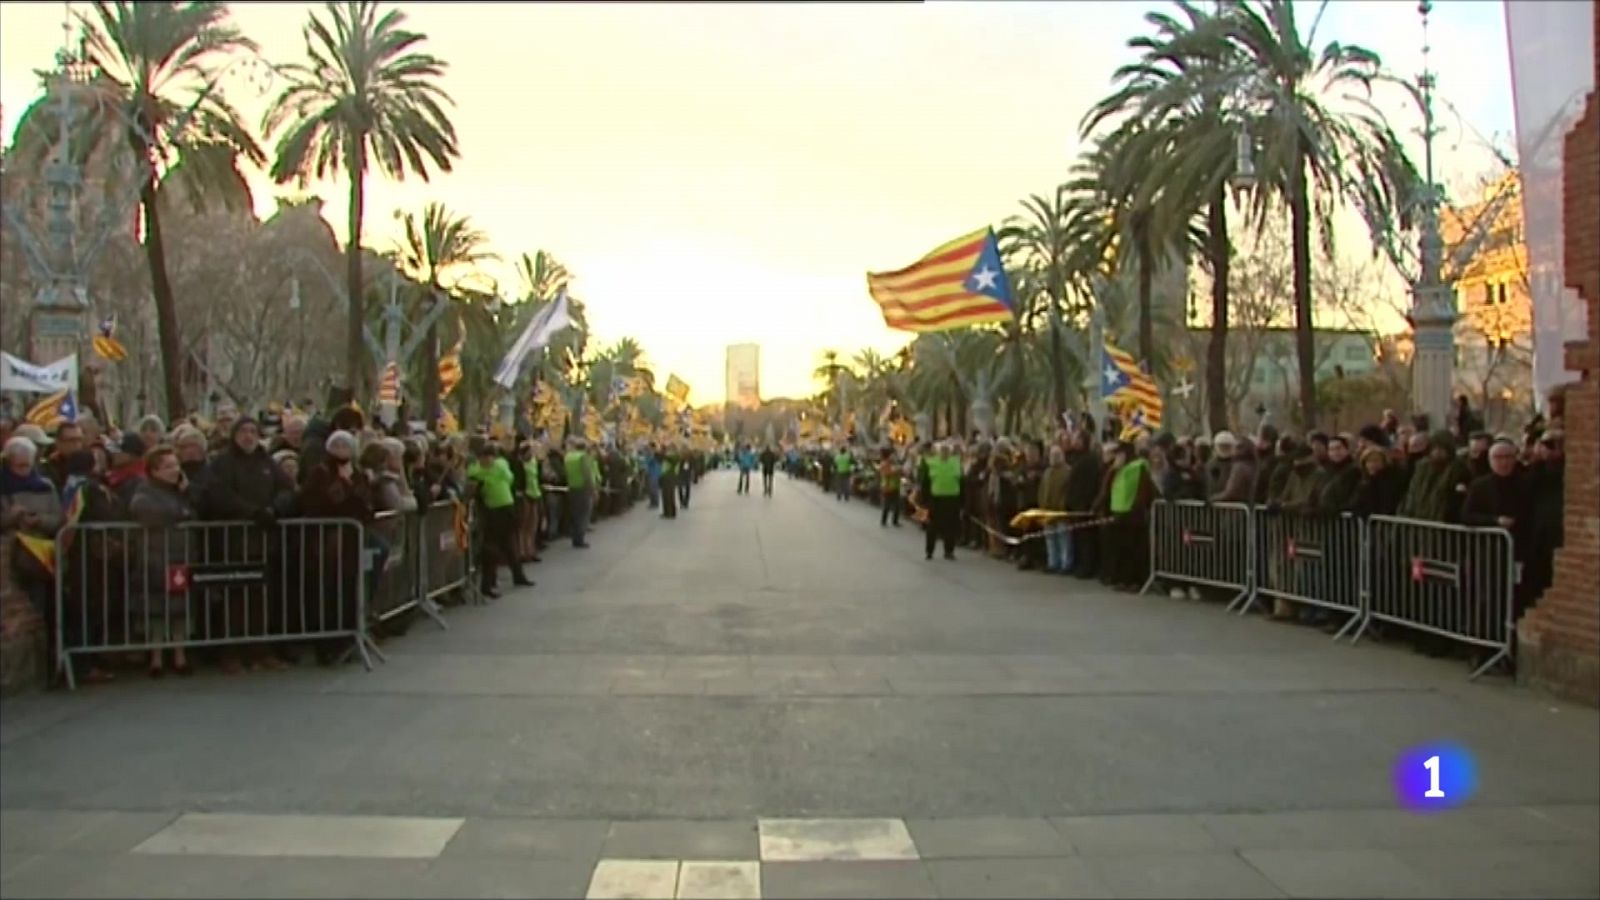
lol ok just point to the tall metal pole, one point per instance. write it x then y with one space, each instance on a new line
1433 300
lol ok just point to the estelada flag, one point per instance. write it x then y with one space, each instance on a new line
53 410
106 343
960 283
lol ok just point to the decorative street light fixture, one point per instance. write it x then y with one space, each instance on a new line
1433 302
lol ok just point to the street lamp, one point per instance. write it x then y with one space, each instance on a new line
1433 303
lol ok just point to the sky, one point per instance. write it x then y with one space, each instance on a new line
715 174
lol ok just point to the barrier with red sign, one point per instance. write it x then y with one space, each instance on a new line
1205 544
1311 559
1449 580
122 587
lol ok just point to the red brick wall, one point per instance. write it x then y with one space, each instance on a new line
1560 639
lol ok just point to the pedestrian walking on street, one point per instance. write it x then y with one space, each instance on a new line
769 464
670 464
843 462
941 487
686 476
746 459
889 489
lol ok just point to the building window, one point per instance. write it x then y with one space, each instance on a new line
1355 353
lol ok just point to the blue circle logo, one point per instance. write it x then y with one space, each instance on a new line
1434 777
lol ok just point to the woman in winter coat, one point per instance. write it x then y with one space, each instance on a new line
1381 487
161 503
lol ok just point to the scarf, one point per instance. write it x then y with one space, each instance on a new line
31 483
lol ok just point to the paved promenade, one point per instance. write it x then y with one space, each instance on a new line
776 697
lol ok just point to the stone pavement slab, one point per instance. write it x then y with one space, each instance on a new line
991 837
1135 834
728 840
1171 874
225 834
1343 873
24 830
557 839
646 879
719 880
847 880
1015 878
816 840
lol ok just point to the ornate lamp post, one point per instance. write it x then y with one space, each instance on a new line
1433 302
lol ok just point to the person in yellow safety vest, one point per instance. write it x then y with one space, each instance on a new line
940 485
533 500
492 475
843 462
671 462
581 484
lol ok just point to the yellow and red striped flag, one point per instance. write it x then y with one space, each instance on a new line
959 284
106 343
450 369
54 410
389 385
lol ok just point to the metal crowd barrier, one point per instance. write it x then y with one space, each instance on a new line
125 587
1312 559
1449 580
446 565
1205 544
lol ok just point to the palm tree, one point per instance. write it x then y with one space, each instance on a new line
158 65
1178 91
1313 155
367 96
1045 236
436 244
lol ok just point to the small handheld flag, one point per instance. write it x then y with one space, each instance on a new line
1123 383
106 343
54 410
959 284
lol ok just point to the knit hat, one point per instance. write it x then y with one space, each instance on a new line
131 444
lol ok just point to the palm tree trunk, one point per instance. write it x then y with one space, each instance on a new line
1058 378
355 312
430 373
155 255
1304 337
1217 349
1147 332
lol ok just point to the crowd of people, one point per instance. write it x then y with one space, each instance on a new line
968 492
523 493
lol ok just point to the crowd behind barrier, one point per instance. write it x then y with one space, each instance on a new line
255 544
1443 538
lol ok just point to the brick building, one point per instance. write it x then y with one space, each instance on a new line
1560 639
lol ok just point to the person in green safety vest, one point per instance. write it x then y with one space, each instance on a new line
671 461
843 463
532 500
1131 495
491 475
939 483
581 484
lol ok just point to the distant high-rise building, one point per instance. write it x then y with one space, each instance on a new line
744 375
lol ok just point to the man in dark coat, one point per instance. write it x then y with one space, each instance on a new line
1501 499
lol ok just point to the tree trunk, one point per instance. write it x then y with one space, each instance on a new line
1217 349
430 370
1304 336
355 313
1058 375
1147 332
155 255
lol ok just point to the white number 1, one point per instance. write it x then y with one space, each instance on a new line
1432 765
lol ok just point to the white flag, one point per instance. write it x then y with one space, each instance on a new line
541 328
19 375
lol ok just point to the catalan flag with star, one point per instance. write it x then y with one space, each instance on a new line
1123 384
959 284
106 343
